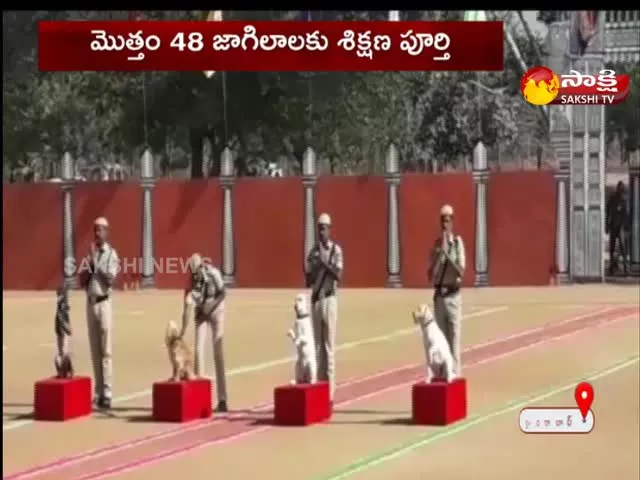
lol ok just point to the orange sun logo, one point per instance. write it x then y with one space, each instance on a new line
539 85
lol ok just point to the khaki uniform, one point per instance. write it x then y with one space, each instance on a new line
447 299
324 310
99 317
203 293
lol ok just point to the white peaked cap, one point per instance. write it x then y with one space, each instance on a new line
101 222
324 219
195 261
446 210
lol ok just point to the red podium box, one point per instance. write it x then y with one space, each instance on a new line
304 404
60 399
182 401
439 402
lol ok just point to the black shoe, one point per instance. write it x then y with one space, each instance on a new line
222 407
104 403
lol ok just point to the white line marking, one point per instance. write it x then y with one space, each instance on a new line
274 363
165 455
100 452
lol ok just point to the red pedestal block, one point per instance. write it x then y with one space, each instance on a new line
301 404
439 402
182 401
59 399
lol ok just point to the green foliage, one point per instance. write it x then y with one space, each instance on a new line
623 120
435 119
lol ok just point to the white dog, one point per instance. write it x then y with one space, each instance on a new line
436 347
306 368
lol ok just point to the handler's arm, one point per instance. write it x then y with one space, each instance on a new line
436 259
108 271
188 310
460 262
334 268
221 291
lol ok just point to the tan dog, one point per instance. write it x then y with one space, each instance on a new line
436 346
179 354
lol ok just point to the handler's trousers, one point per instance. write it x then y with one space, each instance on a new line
99 326
325 319
213 322
448 313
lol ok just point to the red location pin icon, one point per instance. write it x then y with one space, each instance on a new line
584 398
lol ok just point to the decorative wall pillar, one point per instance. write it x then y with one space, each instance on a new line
309 181
392 178
227 180
634 204
560 128
481 178
69 257
588 139
562 223
147 182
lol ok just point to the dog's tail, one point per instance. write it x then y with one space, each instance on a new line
172 333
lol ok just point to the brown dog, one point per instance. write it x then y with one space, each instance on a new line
179 354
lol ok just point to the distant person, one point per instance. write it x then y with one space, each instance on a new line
204 299
324 271
617 226
104 266
446 270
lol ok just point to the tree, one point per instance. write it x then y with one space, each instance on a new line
348 117
622 120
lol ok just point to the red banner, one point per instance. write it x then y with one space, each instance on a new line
270 46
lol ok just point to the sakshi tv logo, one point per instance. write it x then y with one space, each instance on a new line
542 86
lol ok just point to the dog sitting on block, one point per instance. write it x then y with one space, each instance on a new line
436 348
62 328
306 369
179 354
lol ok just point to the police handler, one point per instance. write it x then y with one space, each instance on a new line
103 268
324 272
446 270
204 300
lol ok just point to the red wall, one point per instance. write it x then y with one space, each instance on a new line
268 225
121 204
421 197
358 209
521 217
187 218
31 236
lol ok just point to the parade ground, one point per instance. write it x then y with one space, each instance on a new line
523 346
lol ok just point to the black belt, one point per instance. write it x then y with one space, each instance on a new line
100 299
445 291
327 294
